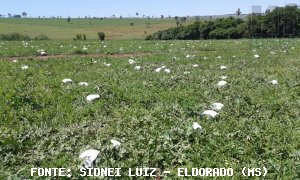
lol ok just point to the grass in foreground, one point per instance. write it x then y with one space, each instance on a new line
45 123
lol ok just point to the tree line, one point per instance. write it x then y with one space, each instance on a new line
281 22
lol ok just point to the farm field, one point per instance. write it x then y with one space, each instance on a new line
62 30
151 109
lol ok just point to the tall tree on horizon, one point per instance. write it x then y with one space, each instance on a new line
24 14
238 12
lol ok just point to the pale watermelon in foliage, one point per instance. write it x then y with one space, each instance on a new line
160 104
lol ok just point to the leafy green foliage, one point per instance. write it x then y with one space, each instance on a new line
21 37
101 35
281 22
218 33
41 37
45 123
80 52
183 33
80 37
219 29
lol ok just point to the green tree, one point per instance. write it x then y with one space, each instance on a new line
218 33
24 14
238 12
183 19
206 27
282 22
101 35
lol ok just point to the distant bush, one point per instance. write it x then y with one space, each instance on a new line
80 37
17 16
21 37
41 37
14 37
101 36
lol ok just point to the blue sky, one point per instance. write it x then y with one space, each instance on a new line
101 8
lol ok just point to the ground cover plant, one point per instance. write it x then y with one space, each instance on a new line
149 100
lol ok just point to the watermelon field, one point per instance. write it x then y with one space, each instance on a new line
155 100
